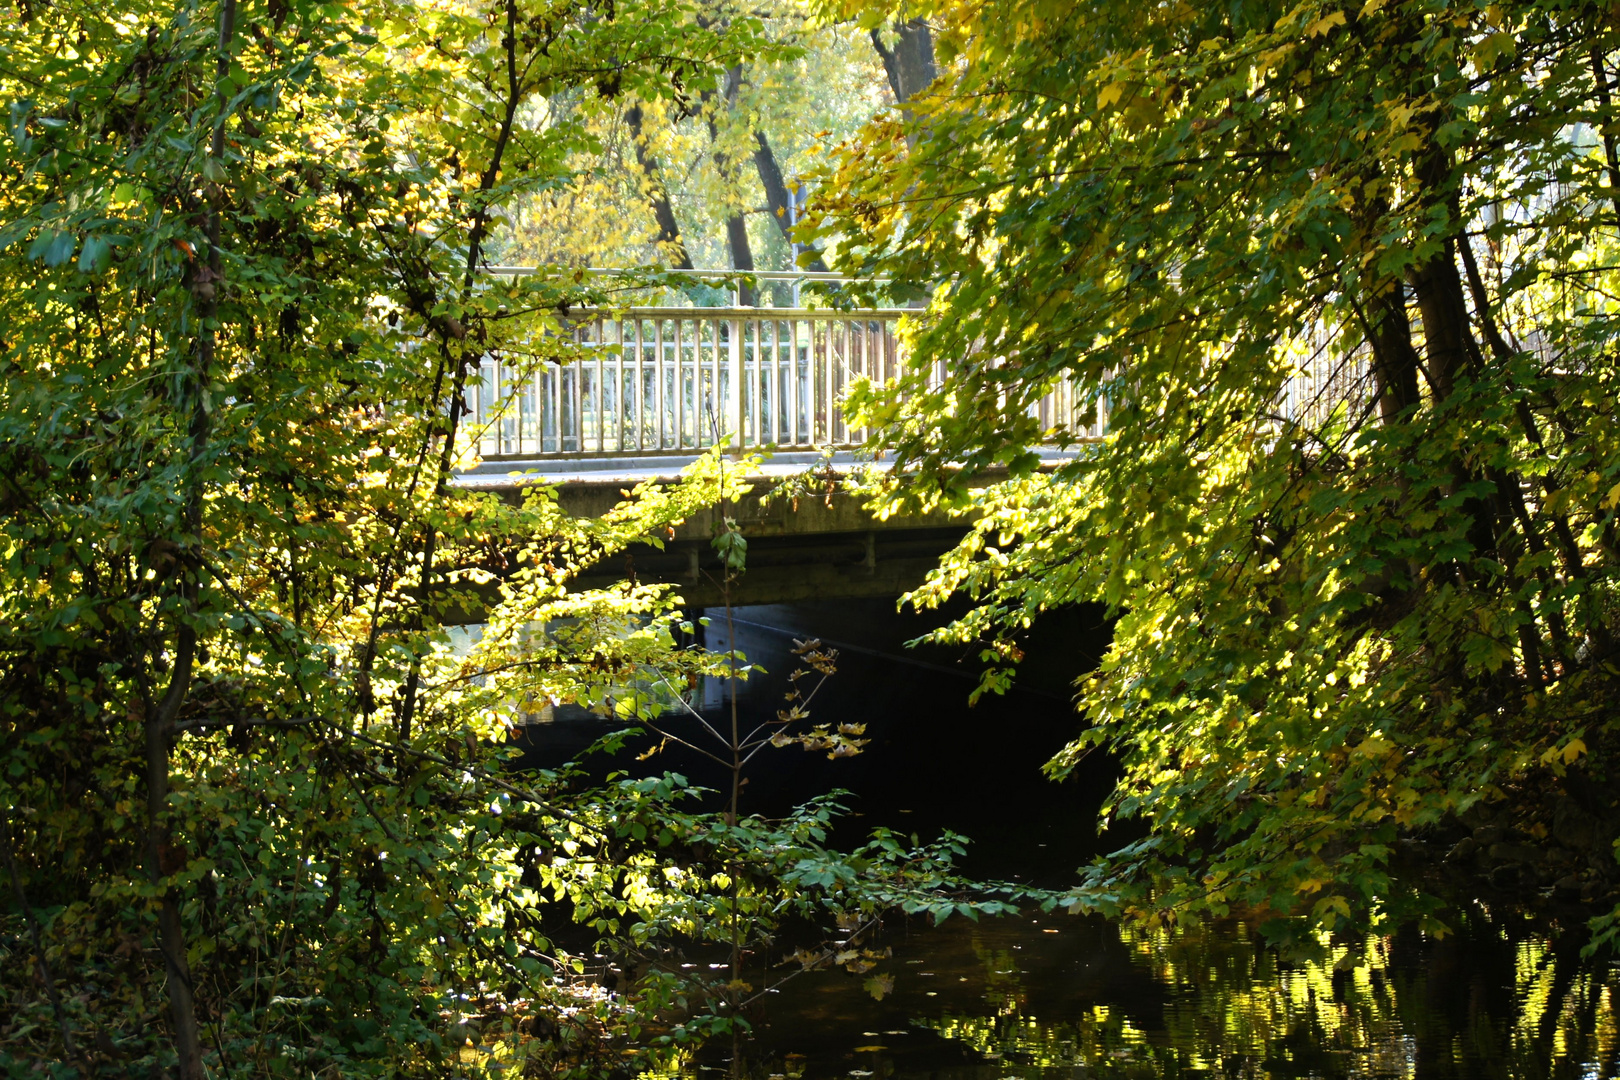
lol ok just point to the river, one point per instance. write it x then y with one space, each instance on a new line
1053 995
1061 996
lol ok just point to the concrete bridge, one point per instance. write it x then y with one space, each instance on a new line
641 390
824 547
646 388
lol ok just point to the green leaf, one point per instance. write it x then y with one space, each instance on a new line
94 253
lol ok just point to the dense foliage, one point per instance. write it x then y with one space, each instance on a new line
702 178
1337 282
257 815
1331 290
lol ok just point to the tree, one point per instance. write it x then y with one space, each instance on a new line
669 180
669 230
1335 281
241 260
910 64
258 811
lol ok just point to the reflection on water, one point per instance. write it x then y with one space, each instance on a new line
1056 996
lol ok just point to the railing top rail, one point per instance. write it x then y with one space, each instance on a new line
764 314
700 275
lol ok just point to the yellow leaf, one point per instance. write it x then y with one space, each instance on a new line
1565 754
1111 93
879 986
1374 745
1321 26
1330 909
1612 500
1492 48
1273 57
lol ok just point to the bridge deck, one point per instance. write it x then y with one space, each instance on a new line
824 548
627 470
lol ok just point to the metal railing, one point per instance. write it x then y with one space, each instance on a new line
1323 383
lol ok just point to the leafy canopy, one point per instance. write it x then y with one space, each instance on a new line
1336 281
257 814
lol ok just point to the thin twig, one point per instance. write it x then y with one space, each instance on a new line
206 722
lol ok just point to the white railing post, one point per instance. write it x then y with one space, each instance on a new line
587 404
736 408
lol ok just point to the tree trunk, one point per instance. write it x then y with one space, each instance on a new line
910 64
1611 153
1439 292
163 857
776 195
742 256
1395 360
669 230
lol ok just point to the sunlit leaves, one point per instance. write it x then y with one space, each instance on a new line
1341 625
246 310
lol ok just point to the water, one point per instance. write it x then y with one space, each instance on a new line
1059 996
1050 996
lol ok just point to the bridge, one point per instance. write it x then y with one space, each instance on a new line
649 387
646 388
647 383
